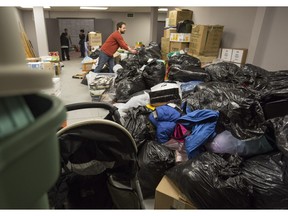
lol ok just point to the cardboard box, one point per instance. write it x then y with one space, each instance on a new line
204 59
206 39
239 56
178 15
165 45
226 54
168 196
234 55
95 39
87 66
48 66
168 31
180 37
33 59
177 46
164 56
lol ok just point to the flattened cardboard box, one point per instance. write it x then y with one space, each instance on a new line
205 39
168 196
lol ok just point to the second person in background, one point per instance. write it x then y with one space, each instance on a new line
111 45
82 43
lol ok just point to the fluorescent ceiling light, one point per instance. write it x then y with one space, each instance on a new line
46 7
94 8
162 9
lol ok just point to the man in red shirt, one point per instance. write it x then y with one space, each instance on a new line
111 45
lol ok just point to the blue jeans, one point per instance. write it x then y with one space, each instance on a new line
103 58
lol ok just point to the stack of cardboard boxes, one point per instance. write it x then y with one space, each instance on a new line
173 41
203 42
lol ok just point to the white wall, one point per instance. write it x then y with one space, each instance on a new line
272 52
138 27
237 22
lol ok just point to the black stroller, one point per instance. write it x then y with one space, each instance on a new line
99 164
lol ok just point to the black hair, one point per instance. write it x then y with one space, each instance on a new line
119 25
82 30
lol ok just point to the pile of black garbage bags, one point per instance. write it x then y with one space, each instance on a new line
220 146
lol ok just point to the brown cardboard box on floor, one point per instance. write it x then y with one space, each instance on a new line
168 196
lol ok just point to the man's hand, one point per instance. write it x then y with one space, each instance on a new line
133 51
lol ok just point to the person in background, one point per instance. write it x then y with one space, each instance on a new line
68 36
111 45
64 41
82 43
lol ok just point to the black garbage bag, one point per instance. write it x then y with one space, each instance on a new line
255 77
279 127
154 73
152 51
131 62
223 72
278 79
95 54
277 87
126 87
196 74
124 73
138 124
153 159
185 61
212 182
240 112
184 26
268 174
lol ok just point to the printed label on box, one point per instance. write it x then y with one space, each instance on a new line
180 37
226 54
237 56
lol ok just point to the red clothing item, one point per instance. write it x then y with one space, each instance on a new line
113 42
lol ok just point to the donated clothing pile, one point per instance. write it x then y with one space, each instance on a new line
214 139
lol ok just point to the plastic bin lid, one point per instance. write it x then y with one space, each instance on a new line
20 80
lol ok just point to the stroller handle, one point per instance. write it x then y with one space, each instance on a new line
86 105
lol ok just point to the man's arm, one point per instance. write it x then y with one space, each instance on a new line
124 45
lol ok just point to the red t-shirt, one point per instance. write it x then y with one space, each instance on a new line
113 42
